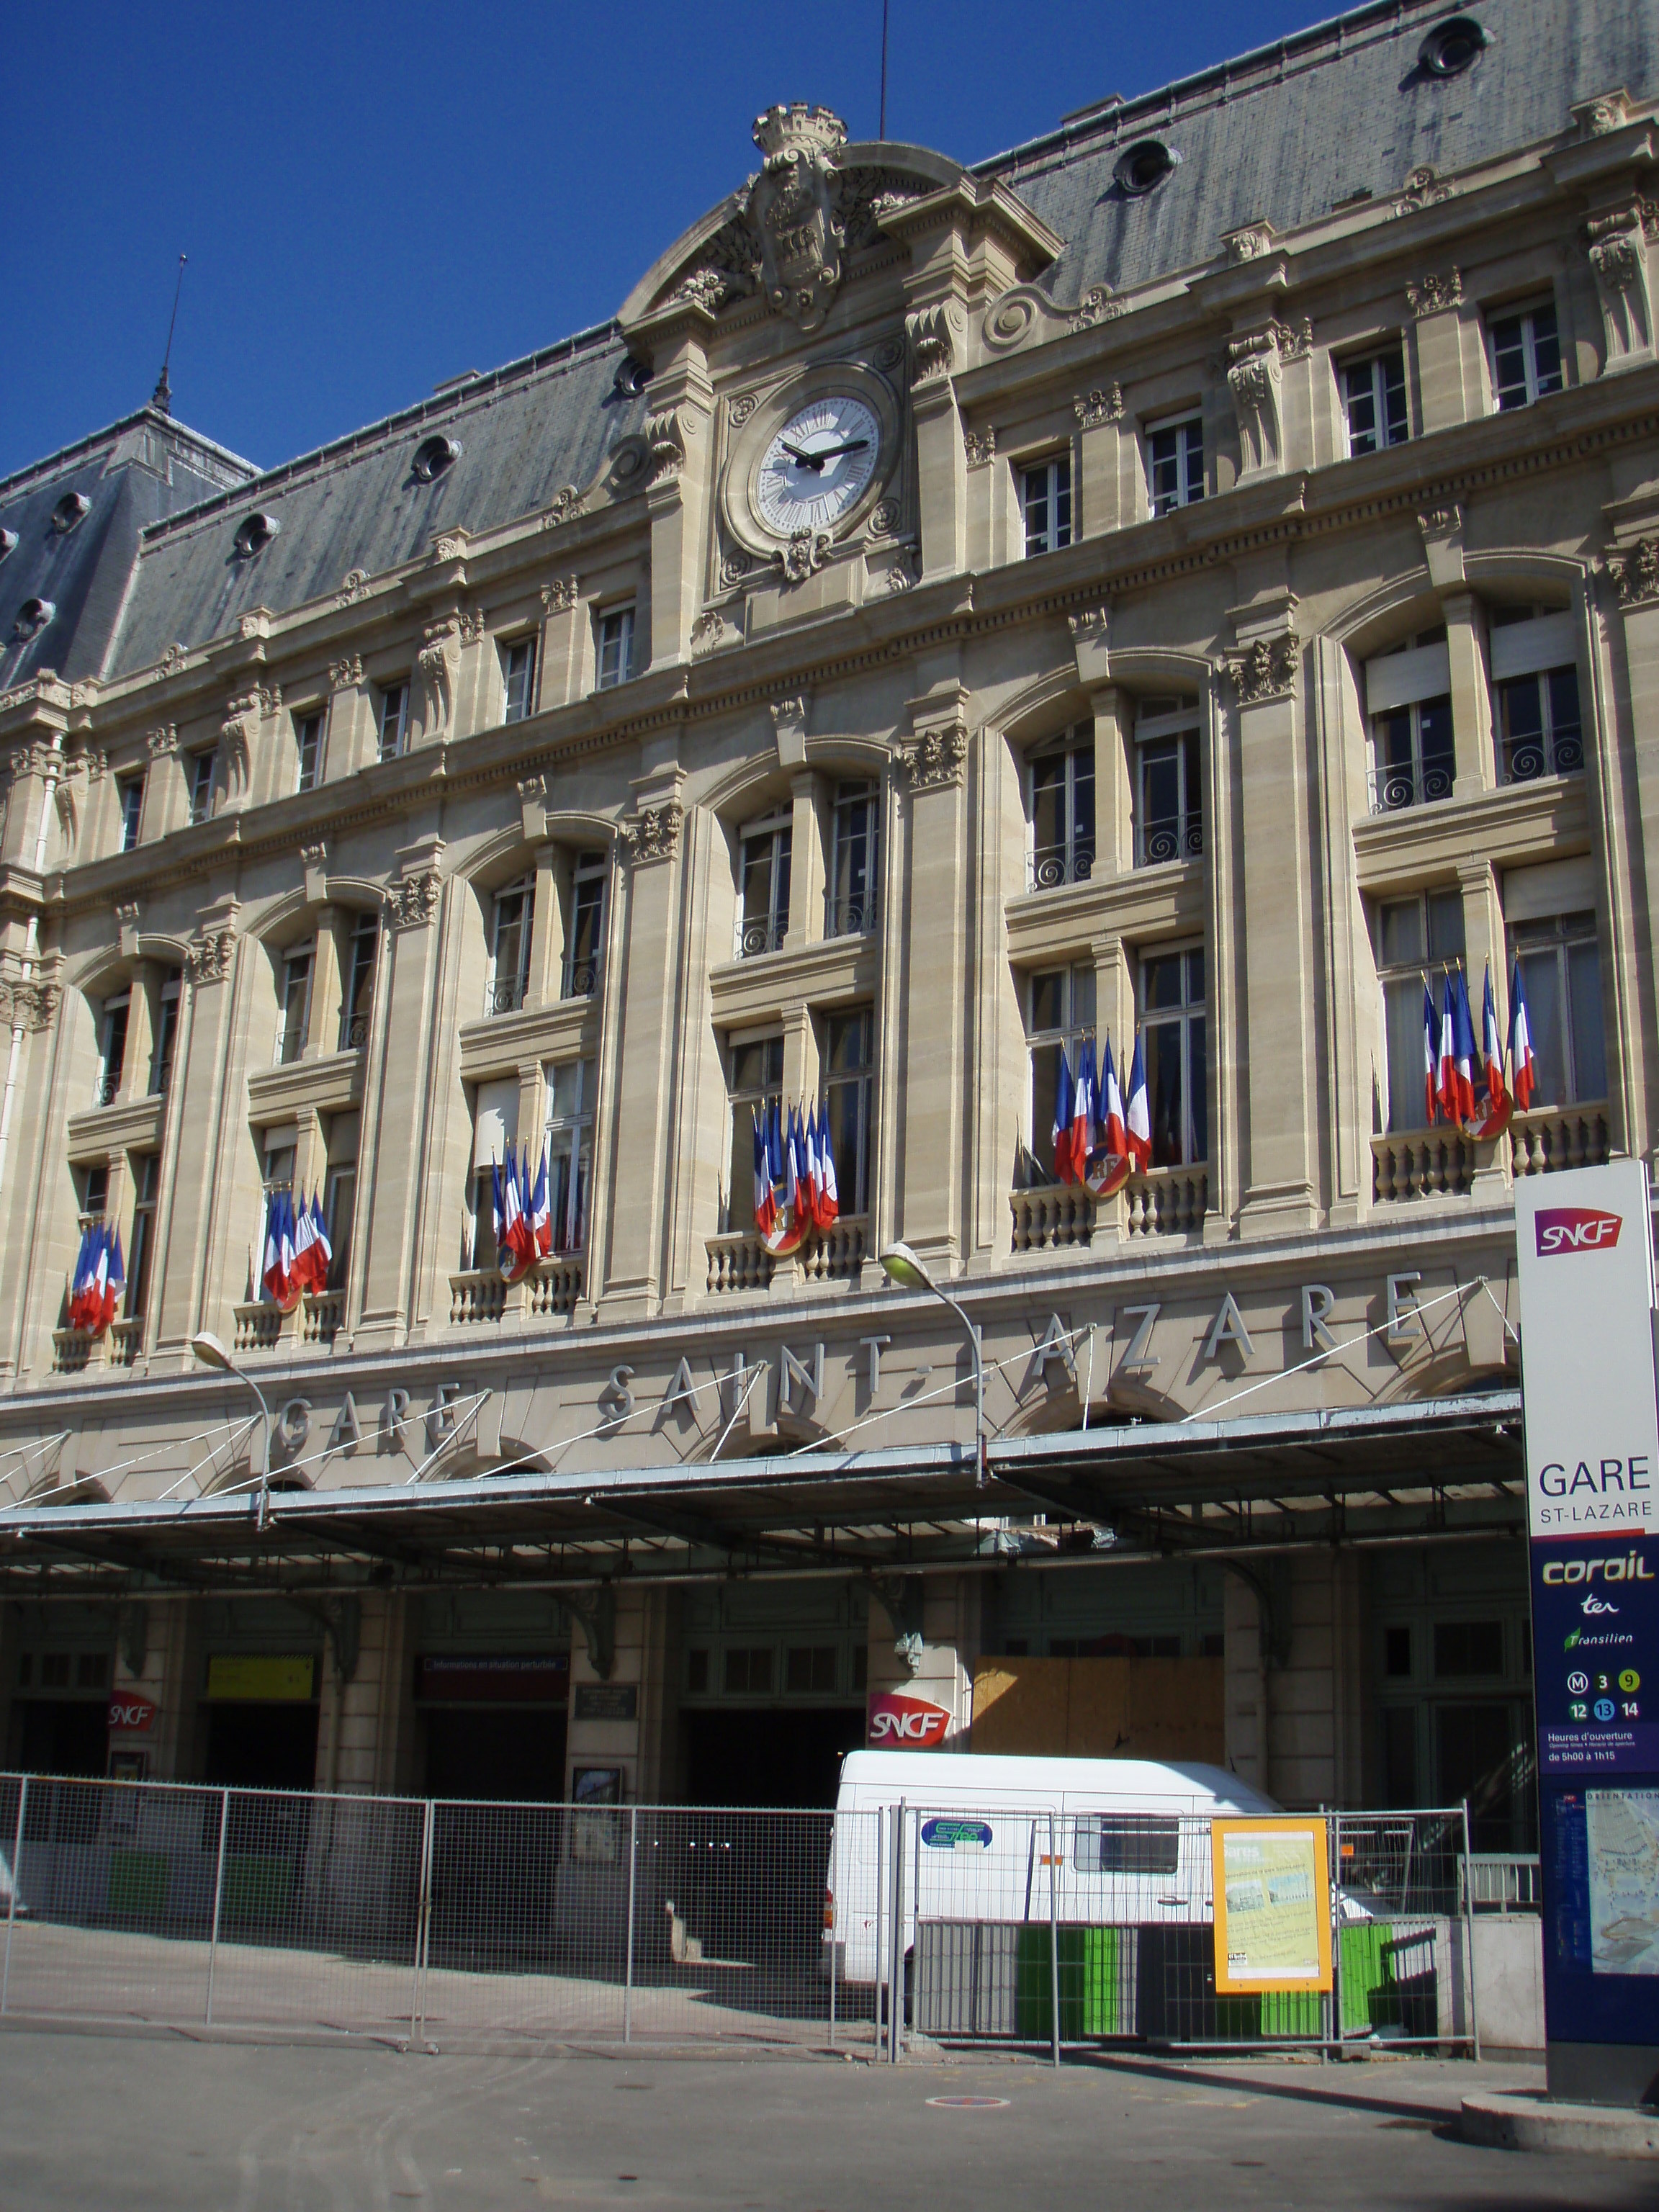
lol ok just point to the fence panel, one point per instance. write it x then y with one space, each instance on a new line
182 1904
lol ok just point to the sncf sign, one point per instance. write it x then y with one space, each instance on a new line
900 1723
1575 1229
131 1715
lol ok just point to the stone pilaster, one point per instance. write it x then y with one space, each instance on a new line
1098 503
934 1080
1447 390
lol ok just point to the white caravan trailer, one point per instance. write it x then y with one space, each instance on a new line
1101 1841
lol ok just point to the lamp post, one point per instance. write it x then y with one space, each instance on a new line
212 1353
902 1265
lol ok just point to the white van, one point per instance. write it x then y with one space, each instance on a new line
1112 1842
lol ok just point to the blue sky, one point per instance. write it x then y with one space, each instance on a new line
374 196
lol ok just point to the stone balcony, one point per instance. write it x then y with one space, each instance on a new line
1165 1202
1443 1163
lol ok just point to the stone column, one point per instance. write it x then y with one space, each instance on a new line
1097 499
634 1628
807 869
346 736
1619 264
1282 1073
1484 949
323 1011
1449 387
681 459
924 1641
634 1260
987 523
561 676
143 981
200 1257
933 1078
399 1059
1472 731
936 333
1115 798
546 932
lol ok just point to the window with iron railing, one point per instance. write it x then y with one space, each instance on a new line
1061 785
362 950
850 901
1174 1029
570 1099
166 1036
1539 732
848 1079
295 1006
763 888
1168 784
512 923
580 973
1416 937
112 1047
1561 964
1408 701
1060 1013
754 1089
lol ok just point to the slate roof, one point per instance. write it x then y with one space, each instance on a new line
135 473
524 431
1343 108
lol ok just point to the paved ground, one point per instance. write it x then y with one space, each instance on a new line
146 2122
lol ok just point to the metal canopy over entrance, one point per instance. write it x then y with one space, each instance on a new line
1261 1483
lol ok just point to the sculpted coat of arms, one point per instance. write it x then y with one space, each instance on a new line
792 208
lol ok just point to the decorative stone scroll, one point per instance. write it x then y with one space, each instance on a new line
1095 408
565 505
981 447
439 662
1618 260
208 957
936 758
1096 305
1635 571
1434 291
667 435
1420 189
413 903
933 334
710 631
31 1006
344 675
807 550
1265 670
159 742
354 587
655 832
562 594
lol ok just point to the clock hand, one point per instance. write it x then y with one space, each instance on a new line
813 461
834 452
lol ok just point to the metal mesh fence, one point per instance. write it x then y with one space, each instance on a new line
455 1921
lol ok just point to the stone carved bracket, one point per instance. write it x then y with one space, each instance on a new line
413 902
1635 572
792 211
789 730
710 631
208 957
236 741
807 550
32 1005
564 507
344 675
932 333
654 833
1420 189
936 758
1619 259
1253 379
981 447
1265 670
1434 291
162 741
562 594
667 434
1095 408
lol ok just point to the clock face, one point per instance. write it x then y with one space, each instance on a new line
818 466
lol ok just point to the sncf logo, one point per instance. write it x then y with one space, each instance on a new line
896 1722
1576 1229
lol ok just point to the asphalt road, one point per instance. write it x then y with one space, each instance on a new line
88 2119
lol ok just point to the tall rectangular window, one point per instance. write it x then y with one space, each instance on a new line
518 678
1414 936
1413 757
1168 783
1172 1036
755 1087
511 927
851 903
1175 463
615 641
1046 503
296 1005
358 996
1526 355
308 746
763 890
570 1098
1374 402
141 1247
131 791
201 785
1539 732
848 1059
1560 965
391 720
586 939
112 1046
1059 1012
1062 803
167 1035
339 1199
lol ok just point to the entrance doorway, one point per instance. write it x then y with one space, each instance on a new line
261 1746
61 1735
512 1754
773 1755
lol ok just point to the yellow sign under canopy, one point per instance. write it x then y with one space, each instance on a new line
250 1678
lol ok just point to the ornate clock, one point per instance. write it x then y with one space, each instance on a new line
809 461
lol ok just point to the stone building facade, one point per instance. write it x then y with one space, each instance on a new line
1190 576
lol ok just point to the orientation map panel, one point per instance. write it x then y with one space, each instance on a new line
1272 1905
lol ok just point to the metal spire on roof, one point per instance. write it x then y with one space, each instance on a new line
162 395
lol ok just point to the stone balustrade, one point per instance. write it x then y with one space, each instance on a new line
1559 1137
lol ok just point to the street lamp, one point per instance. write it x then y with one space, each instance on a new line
902 1265
212 1353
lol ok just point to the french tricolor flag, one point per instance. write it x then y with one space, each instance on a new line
1523 1067
1491 1045
1085 1109
1114 1132
1138 1125
1431 1054
1060 1133
1457 1086
766 1203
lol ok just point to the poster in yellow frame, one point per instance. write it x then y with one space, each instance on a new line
1272 1905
